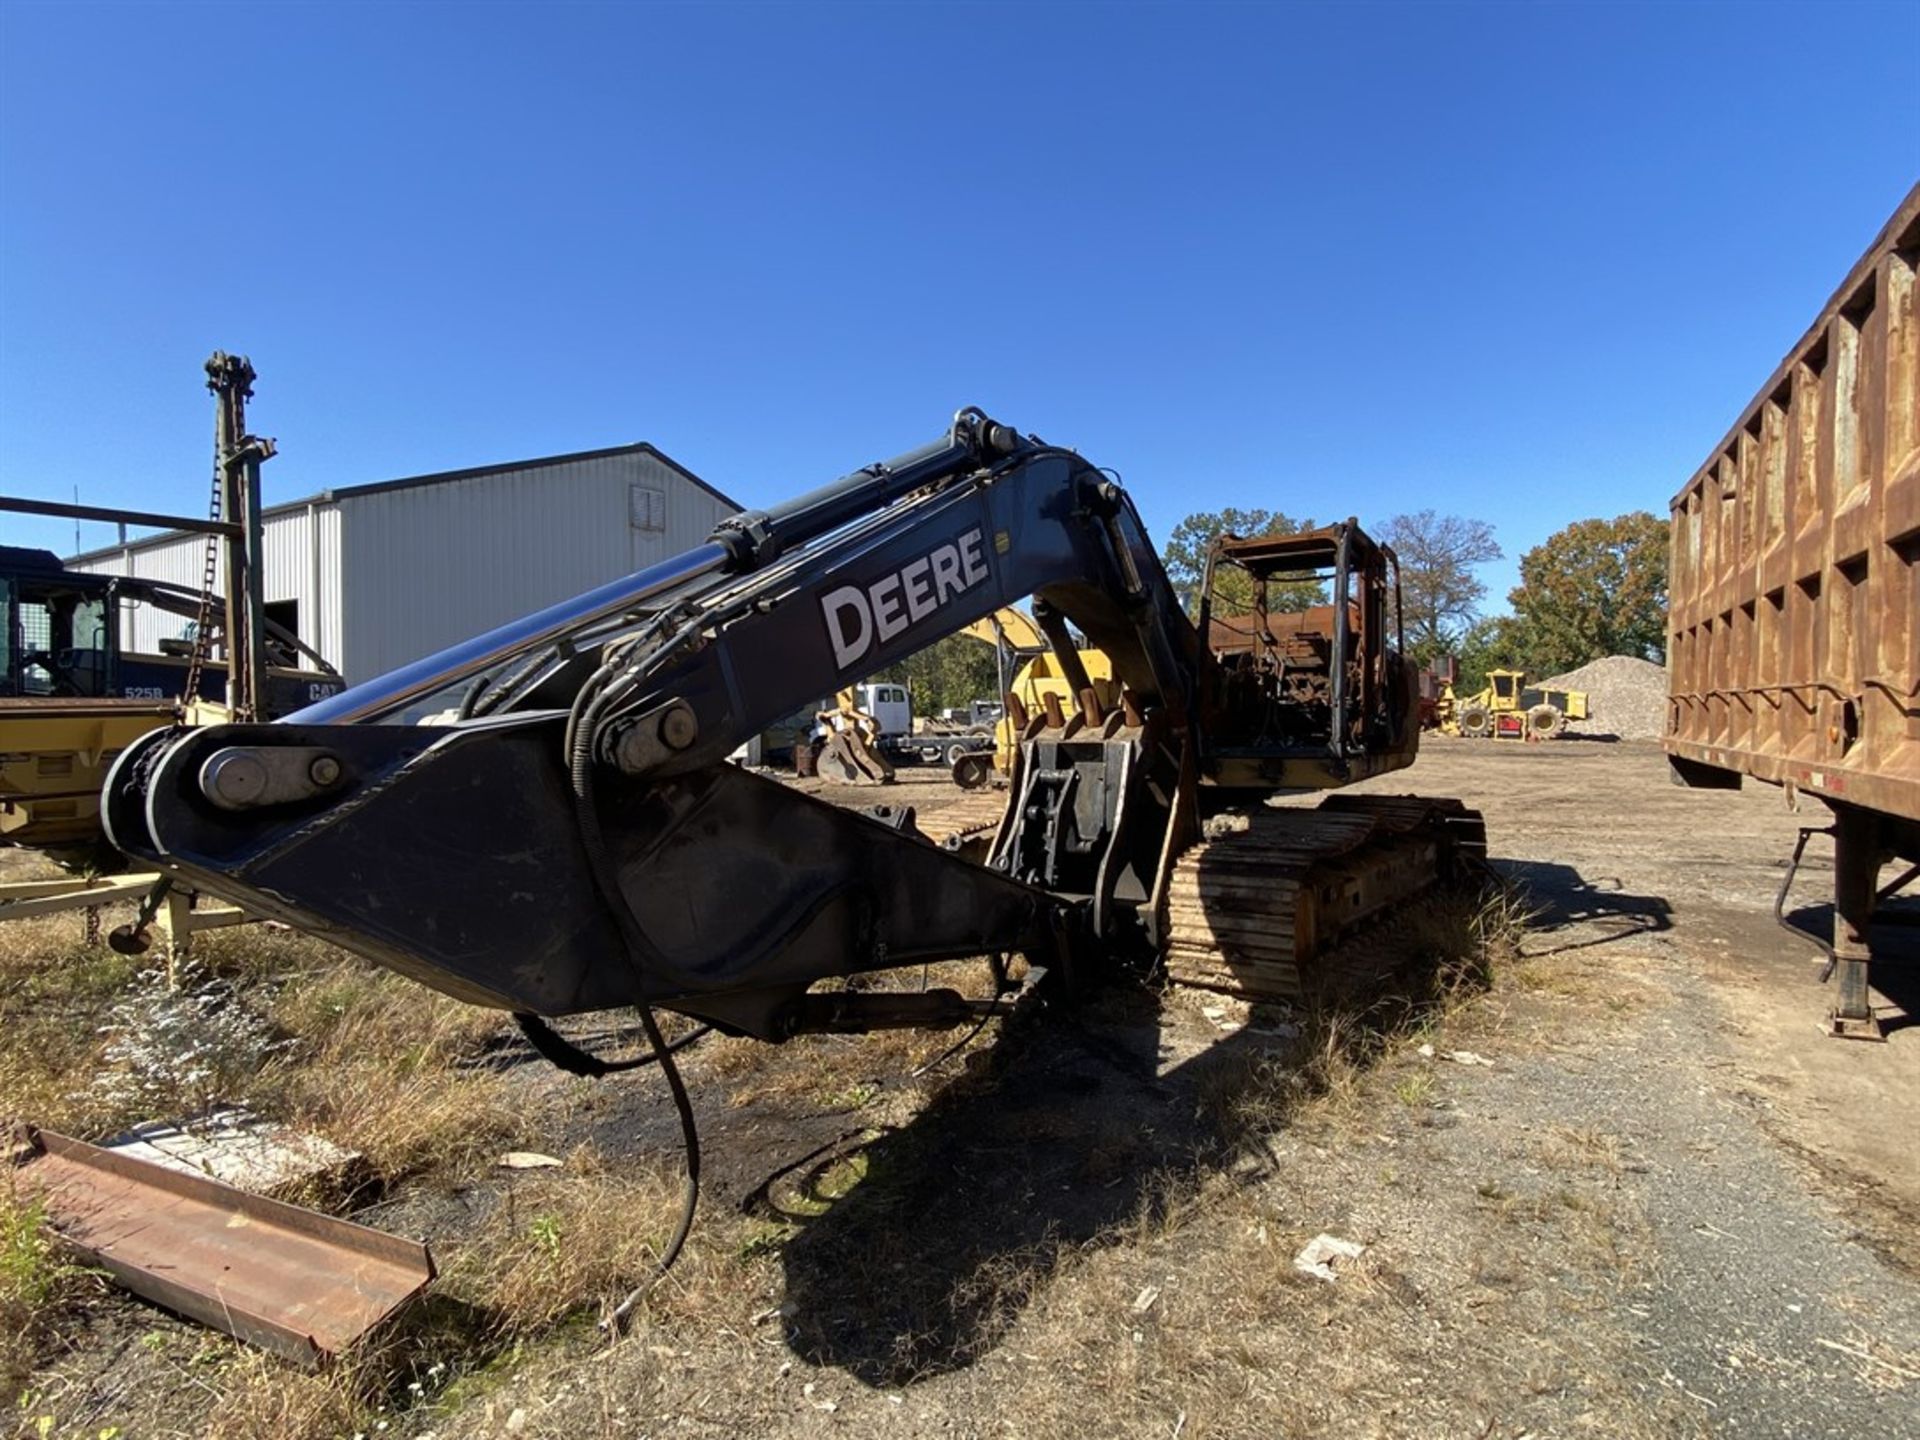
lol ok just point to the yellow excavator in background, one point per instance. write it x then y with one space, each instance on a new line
850 753
1029 670
1010 627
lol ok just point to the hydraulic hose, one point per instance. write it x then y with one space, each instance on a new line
581 723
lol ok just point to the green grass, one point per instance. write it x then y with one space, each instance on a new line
1414 1089
36 1279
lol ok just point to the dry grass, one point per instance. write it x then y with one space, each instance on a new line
55 993
874 1298
1190 1318
559 1250
846 1072
379 1065
1445 954
1582 1148
372 1061
1228 1341
35 1283
265 1399
1184 1316
376 1063
527 1287
571 1243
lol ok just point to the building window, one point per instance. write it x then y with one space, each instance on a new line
648 508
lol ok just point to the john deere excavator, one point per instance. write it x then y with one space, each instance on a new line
577 842
573 838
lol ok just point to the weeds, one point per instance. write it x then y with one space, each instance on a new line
1437 957
176 1045
54 996
261 1398
35 1279
391 1069
849 1097
377 1066
1414 1089
571 1245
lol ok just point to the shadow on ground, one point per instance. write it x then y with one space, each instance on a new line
1060 1136
1075 1131
1895 937
1565 903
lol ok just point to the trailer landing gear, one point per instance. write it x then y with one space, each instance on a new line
1862 843
1857 854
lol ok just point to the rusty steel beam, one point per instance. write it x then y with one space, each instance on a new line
290 1280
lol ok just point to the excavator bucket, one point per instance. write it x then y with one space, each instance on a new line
850 759
296 1282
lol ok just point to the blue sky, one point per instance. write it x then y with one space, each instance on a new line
1523 263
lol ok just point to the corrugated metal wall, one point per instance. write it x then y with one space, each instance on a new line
295 572
303 565
1794 647
430 565
386 576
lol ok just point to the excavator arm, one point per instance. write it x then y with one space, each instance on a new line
576 840
1010 627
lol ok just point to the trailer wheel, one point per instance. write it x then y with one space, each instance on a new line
1545 722
1475 721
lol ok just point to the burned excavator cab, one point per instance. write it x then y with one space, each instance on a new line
1304 698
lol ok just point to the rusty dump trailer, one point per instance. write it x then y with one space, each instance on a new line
1794 635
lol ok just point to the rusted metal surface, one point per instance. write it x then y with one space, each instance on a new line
1352 701
1250 911
301 1284
1794 644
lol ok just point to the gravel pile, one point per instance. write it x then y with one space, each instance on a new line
1628 697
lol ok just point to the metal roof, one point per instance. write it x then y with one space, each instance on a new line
441 477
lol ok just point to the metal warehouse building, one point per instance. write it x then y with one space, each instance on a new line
373 576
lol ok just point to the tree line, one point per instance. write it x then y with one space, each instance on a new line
1595 588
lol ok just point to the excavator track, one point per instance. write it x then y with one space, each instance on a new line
976 814
1252 908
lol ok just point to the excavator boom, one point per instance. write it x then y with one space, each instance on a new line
575 840
578 842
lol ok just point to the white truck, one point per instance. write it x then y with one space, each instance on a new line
890 704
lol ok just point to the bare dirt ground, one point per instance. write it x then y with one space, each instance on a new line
1667 1206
